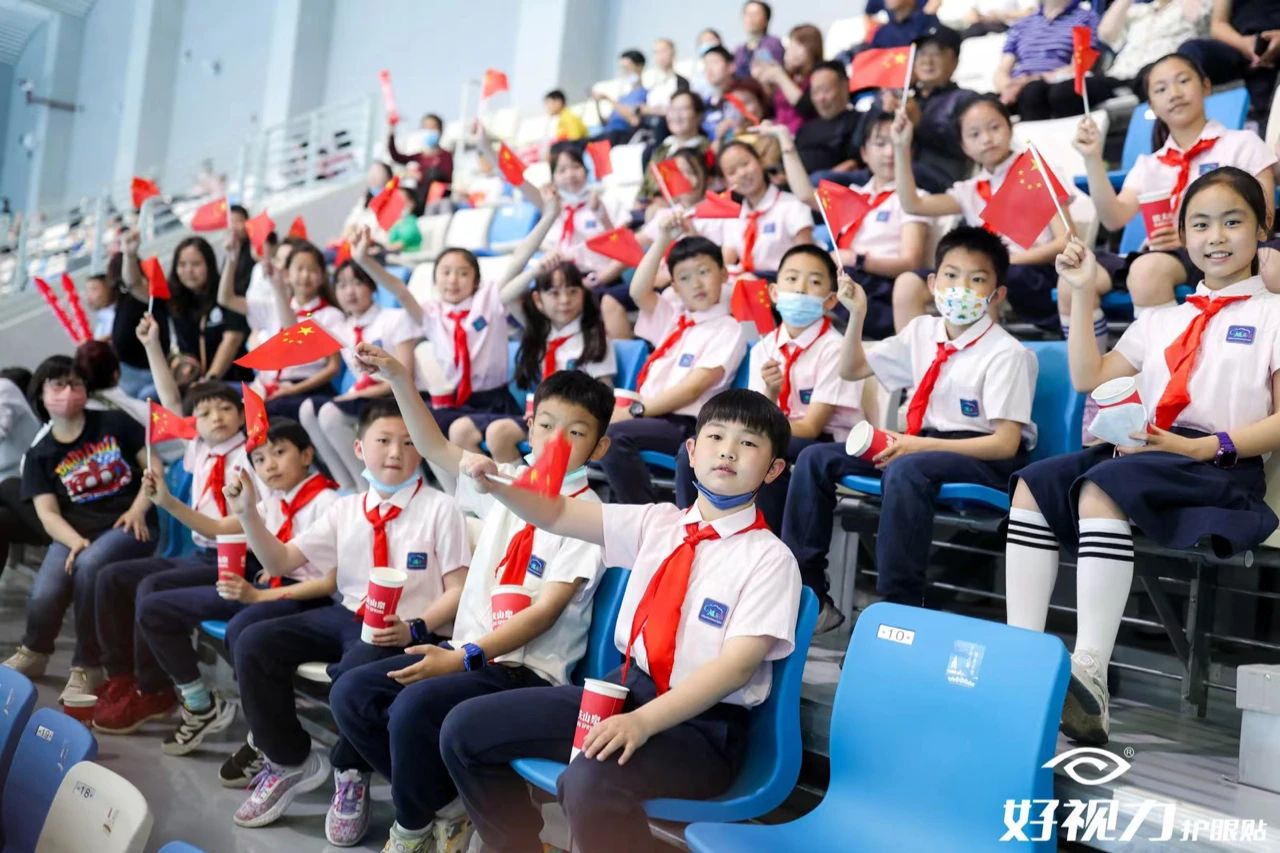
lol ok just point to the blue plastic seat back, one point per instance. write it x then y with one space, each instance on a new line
602 655
176 535
17 698
1058 408
50 744
630 355
967 705
513 347
511 223
179 847
773 750
216 628
742 378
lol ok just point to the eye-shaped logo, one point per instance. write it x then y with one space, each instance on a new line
1088 765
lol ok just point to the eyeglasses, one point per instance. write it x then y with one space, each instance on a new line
65 383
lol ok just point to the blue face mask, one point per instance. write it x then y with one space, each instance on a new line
799 309
703 50
430 138
386 488
579 473
724 502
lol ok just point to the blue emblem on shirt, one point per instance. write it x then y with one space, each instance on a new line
479 323
1241 334
969 408
416 561
806 395
571 364
1206 168
883 216
770 228
686 360
536 565
713 612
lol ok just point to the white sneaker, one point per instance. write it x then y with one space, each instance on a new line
1086 716
829 617
29 663
399 842
452 829
275 787
82 680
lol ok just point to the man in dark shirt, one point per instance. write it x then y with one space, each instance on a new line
1245 45
907 22
825 141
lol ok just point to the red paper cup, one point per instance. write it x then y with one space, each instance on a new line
506 601
1117 392
385 588
232 549
866 442
1157 210
80 706
622 398
600 701
528 405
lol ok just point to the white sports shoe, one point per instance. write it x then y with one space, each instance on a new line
29 663
82 680
1086 716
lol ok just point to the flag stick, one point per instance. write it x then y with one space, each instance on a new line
835 251
499 479
148 436
1035 153
1084 93
906 85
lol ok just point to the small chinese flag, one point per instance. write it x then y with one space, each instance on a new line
736 102
212 216
388 204
157 284
880 68
298 228
1022 208
141 189
494 82
1083 56
165 425
388 97
717 206
436 191
255 419
844 208
619 244
750 303
300 344
546 475
670 175
511 165
259 228
344 254
601 156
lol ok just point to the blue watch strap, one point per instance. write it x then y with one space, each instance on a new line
473 657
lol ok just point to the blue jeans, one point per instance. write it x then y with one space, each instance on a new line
136 382
54 589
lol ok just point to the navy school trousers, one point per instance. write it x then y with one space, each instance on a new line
629 476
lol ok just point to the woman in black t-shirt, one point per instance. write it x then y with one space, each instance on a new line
84 477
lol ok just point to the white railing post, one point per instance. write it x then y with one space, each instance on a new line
97 262
371 129
313 147
20 268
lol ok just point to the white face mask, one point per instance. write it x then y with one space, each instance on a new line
567 197
960 306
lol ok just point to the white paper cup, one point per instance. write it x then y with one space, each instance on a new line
866 442
1116 392
600 701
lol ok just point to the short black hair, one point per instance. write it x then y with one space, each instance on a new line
720 51
53 367
96 361
695 100
813 251
284 429
378 409
554 95
692 247
579 389
872 119
973 239
433 117
768 11
635 56
831 65
240 210
752 410
211 390
990 100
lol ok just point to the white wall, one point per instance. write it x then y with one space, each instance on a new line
15 163
95 129
6 85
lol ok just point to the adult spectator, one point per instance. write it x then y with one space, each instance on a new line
756 15
735 126
707 39
568 126
661 80
434 164
18 424
825 142
787 84
135 374
625 118
973 18
1141 33
717 66
1035 76
684 118
1244 45
907 22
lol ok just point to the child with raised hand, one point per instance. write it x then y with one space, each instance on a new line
986 134
390 711
699 347
771 220
710 602
1185 144
1208 374
294 499
969 419
399 523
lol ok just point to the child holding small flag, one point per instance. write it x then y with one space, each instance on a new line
711 601
771 220
390 711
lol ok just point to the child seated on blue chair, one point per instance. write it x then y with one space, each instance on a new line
697 669
969 420
390 711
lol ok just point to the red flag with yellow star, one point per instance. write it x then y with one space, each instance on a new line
494 82
343 255
388 204
619 244
751 303
255 419
298 229
1082 54
1022 208
511 165
164 425
546 475
142 189
843 208
717 206
157 284
670 175
212 216
259 228
301 344
880 68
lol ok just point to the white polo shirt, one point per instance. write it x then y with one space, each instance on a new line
269 507
880 233
992 376
714 340
815 376
1230 384
972 203
586 224
782 217
569 353
198 461
1240 148
712 229
384 327
486 325
739 586
554 559
428 540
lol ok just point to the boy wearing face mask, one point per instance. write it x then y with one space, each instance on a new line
969 418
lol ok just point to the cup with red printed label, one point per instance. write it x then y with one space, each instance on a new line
528 405
232 549
1157 211
80 706
866 441
385 588
622 398
1120 412
506 601
600 701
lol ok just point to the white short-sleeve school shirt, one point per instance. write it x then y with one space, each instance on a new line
271 508
569 353
782 217
992 376
586 224
972 203
554 559
880 234
485 322
198 460
428 540
383 327
714 340
1230 385
815 375
745 585
1240 148
260 305
712 229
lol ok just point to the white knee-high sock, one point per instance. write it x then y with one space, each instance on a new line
1104 575
1031 568
1138 310
1101 332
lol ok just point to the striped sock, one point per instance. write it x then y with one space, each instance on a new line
1031 568
195 696
1101 331
1104 576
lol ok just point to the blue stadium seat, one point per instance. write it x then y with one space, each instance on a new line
822 236
511 223
216 628
174 535
344 380
17 698
630 356
179 847
773 749
513 347
386 298
51 743
602 656
968 704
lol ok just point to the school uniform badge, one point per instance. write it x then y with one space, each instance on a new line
536 566
806 394
416 561
1241 334
713 612
479 323
969 408
686 360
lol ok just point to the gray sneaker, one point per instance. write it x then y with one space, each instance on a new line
829 617
29 663
196 725
275 787
1086 716
398 842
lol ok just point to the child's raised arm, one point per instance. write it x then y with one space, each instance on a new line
278 558
361 242
853 355
1077 266
938 204
561 516
130 274
516 279
643 290
166 385
484 144
227 296
422 426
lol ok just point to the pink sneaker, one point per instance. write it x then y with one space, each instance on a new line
347 821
